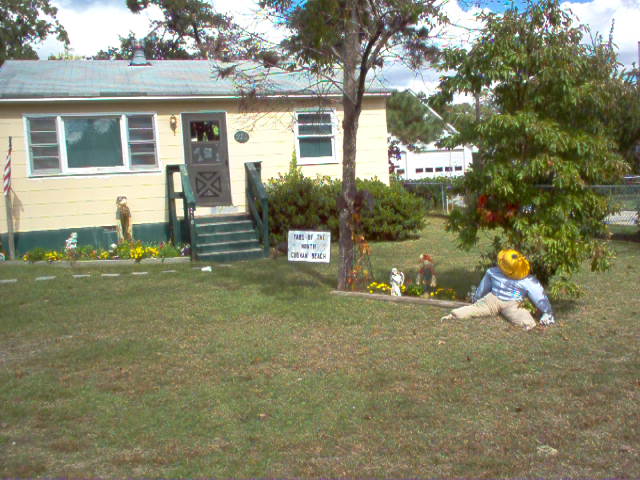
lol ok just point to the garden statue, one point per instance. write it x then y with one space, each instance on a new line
426 272
503 290
71 243
123 220
396 280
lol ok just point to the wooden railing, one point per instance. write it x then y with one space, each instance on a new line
188 202
258 203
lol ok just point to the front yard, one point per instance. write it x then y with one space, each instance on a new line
258 370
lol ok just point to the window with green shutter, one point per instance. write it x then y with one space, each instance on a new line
316 137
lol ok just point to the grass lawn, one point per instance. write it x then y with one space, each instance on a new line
256 370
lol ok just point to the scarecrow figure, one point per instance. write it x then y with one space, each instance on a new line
426 272
123 220
503 290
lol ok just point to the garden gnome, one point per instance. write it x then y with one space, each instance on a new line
396 280
426 272
71 243
123 220
502 291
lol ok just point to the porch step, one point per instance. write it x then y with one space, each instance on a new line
240 235
227 246
232 255
226 238
223 227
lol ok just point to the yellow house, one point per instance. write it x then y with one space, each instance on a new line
87 132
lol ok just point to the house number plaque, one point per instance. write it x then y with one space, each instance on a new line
241 136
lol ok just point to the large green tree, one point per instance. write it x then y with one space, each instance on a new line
411 121
343 42
548 143
24 23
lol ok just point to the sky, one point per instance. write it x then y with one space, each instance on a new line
96 24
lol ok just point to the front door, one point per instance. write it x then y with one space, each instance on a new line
206 156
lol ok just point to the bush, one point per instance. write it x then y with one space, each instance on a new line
35 255
397 214
297 202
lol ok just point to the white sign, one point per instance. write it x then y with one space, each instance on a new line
308 246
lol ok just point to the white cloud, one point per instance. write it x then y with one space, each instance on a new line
96 26
599 15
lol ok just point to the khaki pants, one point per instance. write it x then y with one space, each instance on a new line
490 305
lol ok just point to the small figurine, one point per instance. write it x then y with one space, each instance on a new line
71 243
426 272
123 220
396 280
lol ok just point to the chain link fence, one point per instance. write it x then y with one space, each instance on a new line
624 199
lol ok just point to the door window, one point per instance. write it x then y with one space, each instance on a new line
205 141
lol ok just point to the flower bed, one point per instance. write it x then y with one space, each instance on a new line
124 251
413 290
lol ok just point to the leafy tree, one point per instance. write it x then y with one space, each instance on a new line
410 121
548 144
154 48
343 41
625 117
188 29
462 115
25 22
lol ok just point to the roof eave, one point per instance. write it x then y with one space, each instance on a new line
143 96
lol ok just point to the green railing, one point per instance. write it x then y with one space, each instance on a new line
258 203
188 202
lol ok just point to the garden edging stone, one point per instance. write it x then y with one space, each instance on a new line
93 263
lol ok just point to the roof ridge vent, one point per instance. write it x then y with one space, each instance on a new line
138 60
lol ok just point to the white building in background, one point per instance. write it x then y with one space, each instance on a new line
431 161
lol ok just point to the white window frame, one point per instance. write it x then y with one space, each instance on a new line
333 158
65 170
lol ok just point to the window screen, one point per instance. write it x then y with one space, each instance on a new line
419 170
93 142
315 134
43 141
142 142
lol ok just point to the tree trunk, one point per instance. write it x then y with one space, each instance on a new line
350 129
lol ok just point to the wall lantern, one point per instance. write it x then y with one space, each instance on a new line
173 123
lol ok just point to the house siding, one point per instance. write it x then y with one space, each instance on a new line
76 202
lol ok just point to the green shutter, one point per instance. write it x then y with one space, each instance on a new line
315 147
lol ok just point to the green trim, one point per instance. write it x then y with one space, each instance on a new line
100 237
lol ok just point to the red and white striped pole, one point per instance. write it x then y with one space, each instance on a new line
6 187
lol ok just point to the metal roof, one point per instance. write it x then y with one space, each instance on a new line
42 79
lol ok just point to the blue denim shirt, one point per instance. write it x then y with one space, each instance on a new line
507 289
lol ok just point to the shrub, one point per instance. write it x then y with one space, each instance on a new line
35 255
168 250
397 214
299 202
